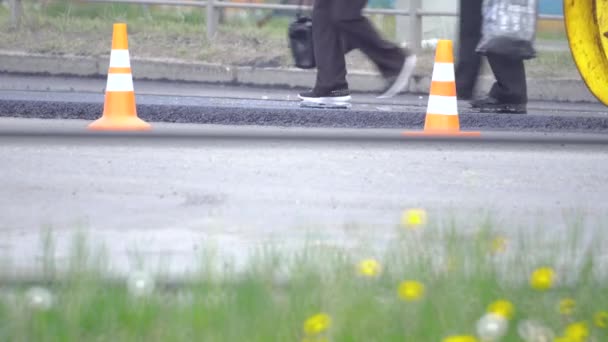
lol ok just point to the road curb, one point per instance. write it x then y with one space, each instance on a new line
550 89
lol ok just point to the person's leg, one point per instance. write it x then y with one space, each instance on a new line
469 61
509 93
510 85
330 86
358 32
329 54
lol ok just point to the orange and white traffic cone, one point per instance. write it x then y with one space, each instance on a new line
442 110
119 110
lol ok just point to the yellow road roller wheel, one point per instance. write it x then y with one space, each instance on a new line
587 29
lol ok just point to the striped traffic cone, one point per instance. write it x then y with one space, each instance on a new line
119 111
442 110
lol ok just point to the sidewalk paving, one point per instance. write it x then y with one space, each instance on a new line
561 89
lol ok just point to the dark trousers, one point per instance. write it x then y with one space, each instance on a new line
339 27
510 85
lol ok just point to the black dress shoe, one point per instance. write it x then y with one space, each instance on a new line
490 104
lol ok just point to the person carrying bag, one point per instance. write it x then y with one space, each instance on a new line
339 26
503 31
509 28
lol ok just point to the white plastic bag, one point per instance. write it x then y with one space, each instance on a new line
509 28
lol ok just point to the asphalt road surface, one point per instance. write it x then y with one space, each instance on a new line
82 98
166 200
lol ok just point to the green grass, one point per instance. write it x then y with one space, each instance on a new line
64 27
271 297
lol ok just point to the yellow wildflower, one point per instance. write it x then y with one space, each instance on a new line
317 324
577 332
499 245
542 278
566 306
463 338
601 319
413 218
502 308
410 290
369 268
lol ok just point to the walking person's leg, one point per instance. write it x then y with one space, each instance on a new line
469 61
509 94
395 64
330 86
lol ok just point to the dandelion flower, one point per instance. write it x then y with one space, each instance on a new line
492 327
542 278
462 338
411 290
413 218
369 268
577 331
499 245
566 306
39 298
502 308
317 324
600 319
140 284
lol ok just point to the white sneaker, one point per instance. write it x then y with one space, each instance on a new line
402 80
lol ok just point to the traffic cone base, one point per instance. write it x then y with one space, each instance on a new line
119 109
442 110
120 124
431 133
447 121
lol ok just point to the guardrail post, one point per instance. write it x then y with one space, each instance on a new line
415 25
211 19
16 13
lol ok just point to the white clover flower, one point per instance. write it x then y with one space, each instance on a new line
492 327
533 331
140 284
39 298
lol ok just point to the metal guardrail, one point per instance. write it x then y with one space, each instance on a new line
211 6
